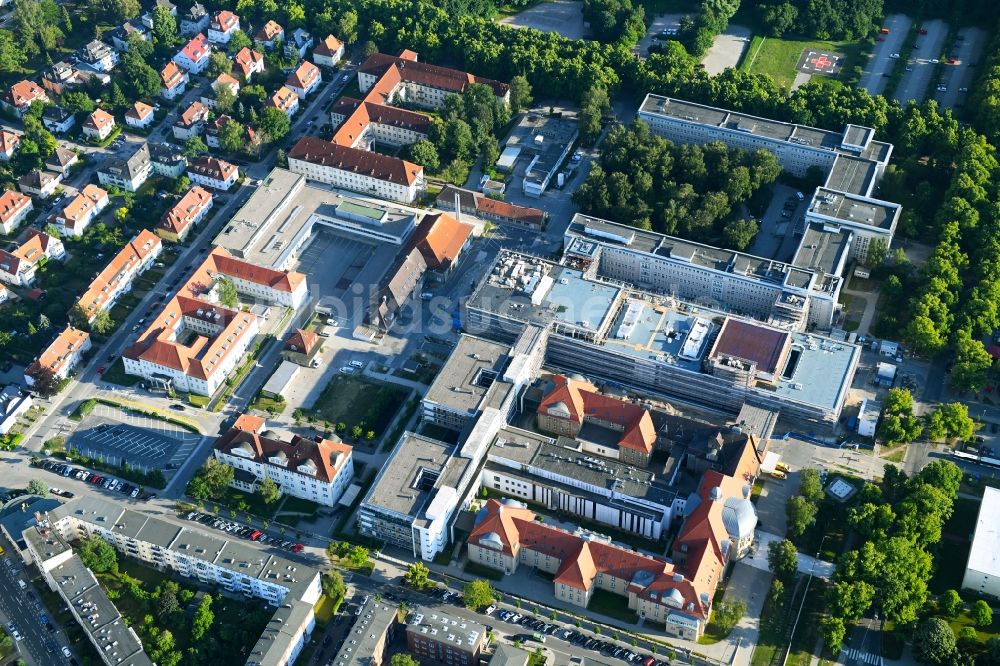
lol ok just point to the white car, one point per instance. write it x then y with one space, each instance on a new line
347 370
66 652
894 56
489 609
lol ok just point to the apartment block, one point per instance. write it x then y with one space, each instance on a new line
117 277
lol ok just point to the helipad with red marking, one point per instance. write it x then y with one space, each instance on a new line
819 62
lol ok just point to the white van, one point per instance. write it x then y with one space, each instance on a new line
357 364
800 196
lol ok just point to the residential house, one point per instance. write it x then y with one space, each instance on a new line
58 120
299 43
328 52
128 174
213 172
148 17
117 277
222 82
62 356
14 208
441 239
62 77
318 470
18 97
194 57
191 122
8 144
247 63
13 403
286 100
212 130
194 343
483 207
194 20
222 26
62 160
305 79
39 183
167 161
98 125
77 215
141 115
121 34
301 347
100 56
357 170
174 80
177 222
270 33
18 267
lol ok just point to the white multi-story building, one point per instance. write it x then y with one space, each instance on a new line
140 115
98 125
74 219
14 208
174 80
100 56
62 356
117 277
328 52
19 265
982 571
194 57
222 26
305 79
318 470
213 172
128 174
195 343
357 170
238 567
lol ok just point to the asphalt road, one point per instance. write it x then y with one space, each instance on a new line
880 65
929 47
968 50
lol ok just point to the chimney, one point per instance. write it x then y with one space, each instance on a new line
458 206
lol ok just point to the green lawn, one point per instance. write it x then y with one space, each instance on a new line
480 571
612 605
358 401
299 505
778 57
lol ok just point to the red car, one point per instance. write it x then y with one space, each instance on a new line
297 548
255 535
100 370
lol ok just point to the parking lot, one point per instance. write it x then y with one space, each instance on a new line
662 25
776 238
144 443
967 50
880 65
564 17
727 49
922 62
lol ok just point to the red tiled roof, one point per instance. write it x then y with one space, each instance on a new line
329 46
171 75
284 99
12 203
121 268
197 48
440 238
186 210
99 119
247 60
269 32
301 341
426 74
8 141
363 162
584 402
304 76
23 93
140 111
57 354
212 167
196 112
82 205
224 21
510 211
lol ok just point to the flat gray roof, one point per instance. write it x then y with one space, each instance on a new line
468 374
557 133
279 634
508 655
286 203
117 642
696 254
854 210
822 249
439 626
818 369
418 468
852 175
367 632
277 382
15 521
563 456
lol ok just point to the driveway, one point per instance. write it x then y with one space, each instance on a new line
880 65
727 49
929 47
660 23
757 559
967 50
564 17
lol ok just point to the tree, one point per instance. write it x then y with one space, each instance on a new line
738 234
833 631
950 420
225 100
274 123
520 93
269 491
116 98
347 27
933 641
78 101
982 614
139 46
801 513
478 594
943 475
121 10
368 48
97 555
595 103
219 63
333 585
950 603
239 41
898 423
226 290
424 153
878 251
231 137
194 147
181 184
211 480
45 381
972 363
357 557
417 575
38 487
489 151
356 432
400 659
726 614
164 27
11 55
203 618
167 605
810 485
102 323
778 18
783 559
